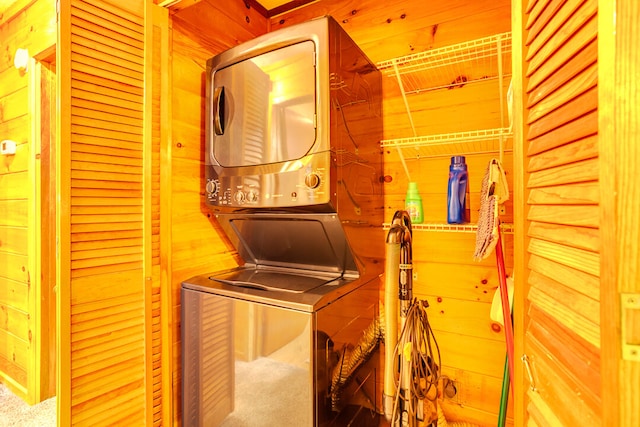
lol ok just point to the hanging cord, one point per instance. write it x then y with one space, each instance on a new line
415 351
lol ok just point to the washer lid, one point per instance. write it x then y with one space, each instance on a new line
311 242
265 280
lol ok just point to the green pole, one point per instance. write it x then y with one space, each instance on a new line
504 396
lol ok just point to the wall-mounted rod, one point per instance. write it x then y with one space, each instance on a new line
413 128
501 94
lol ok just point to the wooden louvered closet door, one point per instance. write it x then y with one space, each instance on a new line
105 271
561 213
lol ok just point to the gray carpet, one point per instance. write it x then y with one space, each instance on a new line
14 412
269 392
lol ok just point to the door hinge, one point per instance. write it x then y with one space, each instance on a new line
629 326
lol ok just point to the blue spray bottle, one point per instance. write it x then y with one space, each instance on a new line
458 211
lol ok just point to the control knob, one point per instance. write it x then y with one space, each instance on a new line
252 196
312 180
212 187
239 197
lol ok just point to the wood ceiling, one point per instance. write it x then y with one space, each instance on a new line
276 7
267 8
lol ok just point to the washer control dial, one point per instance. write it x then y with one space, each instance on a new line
252 196
239 197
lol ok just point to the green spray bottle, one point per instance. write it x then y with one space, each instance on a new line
413 204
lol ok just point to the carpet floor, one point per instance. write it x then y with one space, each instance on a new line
14 412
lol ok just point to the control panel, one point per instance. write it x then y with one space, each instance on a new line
306 186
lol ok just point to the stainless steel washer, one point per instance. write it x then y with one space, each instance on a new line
263 347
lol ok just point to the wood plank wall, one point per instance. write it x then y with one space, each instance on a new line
458 289
28 25
198 33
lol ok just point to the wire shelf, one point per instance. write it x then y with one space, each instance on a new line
470 142
456 228
452 66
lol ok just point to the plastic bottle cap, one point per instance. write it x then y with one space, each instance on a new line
457 159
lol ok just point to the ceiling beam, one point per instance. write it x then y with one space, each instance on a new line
286 7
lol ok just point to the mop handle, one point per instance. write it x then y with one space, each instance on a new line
506 307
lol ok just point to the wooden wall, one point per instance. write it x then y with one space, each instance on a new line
29 25
458 289
196 246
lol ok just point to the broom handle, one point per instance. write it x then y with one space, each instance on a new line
506 307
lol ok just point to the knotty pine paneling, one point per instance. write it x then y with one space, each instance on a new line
15 322
14 186
13 103
385 30
13 213
14 361
482 390
465 318
30 25
14 240
433 185
14 294
471 107
475 283
16 269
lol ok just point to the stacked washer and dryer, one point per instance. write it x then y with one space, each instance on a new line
293 175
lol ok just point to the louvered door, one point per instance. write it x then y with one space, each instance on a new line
104 226
561 204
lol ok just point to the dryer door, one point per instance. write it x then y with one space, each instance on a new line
263 108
